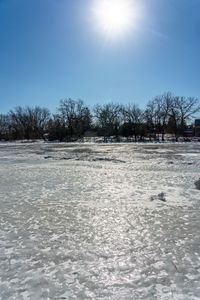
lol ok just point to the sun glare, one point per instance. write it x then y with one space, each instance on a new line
114 17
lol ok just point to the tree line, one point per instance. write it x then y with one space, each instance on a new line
165 114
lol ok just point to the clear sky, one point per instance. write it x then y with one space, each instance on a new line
54 49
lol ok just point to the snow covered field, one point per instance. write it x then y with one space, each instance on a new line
99 221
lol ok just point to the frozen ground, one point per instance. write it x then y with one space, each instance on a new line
99 221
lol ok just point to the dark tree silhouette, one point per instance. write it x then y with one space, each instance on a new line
133 117
108 119
29 123
76 118
163 114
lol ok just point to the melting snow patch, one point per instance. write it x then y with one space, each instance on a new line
197 184
160 196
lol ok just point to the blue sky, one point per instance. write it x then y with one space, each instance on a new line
53 49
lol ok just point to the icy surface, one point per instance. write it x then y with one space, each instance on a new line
99 221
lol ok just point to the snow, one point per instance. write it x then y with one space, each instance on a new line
106 221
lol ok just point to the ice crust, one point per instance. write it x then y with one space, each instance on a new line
88 221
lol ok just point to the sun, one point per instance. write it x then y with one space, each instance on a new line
114 17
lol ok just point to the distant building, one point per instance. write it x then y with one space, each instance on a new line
189 131
197 127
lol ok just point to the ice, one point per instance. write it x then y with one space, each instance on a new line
106 221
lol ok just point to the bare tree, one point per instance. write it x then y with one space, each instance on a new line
28 122
185 109
56 129
164 104
133 117
164 114
75 116
4 127
108 119
170 113
151 117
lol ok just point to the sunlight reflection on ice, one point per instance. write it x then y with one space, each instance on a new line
84 228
